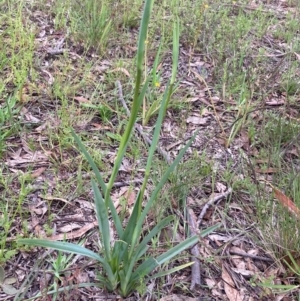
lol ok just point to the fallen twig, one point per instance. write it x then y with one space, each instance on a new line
139 128
213 200
196 275
251 256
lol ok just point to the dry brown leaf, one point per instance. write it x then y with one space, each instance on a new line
275 102
75 234
52 198
68 228
35 157
81 99
221 187
197 120
38 172
97 127
122 70
210 282
229 287
130 196
266 171
177 298
244 272
39 211
297 55
287 203
294 151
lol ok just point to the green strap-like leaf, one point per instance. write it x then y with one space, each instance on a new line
90 160
102 217
153 197
127 234
175 53
170 271
125 140
177 249
209 230
114 213
119 254
154 143
163 223
61 246
150 264
71 248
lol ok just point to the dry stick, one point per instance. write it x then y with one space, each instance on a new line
139 128
196 275
212 201
251 256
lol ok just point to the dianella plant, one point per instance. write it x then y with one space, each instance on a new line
124 261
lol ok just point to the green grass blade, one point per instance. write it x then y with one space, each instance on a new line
150 264
99 179
143 33
155 64
145 268
102 216
126 281
131 225
163 223
90 160
175 52
125 139
137 97
71 248
119 254
61 246
155 139
177 249
154 194
209 230
115 216
168 272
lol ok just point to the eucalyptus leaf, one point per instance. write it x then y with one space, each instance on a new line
10 280
9 289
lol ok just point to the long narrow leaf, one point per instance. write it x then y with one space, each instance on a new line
119 254
154 143
209 230
61 246
150 235
154 194
90 160
71 248
143 32
102 216
170 271
129 266
175 53
144 269
137 97
149 265
177 249
155 64
99 178
125 140
127 234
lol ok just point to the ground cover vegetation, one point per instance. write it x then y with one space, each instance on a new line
71 73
